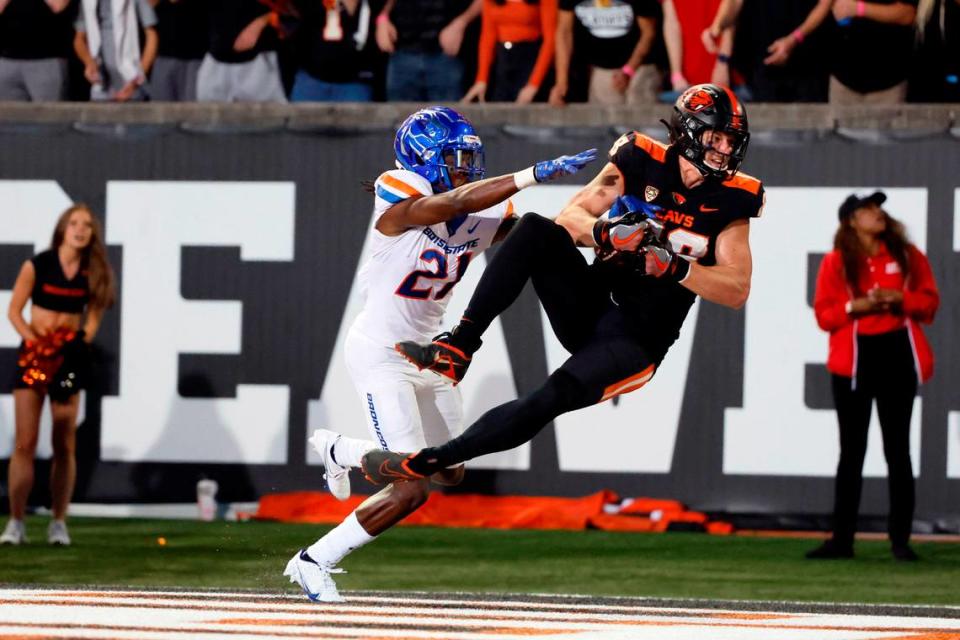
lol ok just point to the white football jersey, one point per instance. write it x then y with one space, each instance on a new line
409 279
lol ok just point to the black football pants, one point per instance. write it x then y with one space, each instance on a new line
885 373
607 357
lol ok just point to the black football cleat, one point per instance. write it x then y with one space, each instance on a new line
904 553
830 550
439 356
384 467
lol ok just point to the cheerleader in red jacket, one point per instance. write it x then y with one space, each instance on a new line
873 291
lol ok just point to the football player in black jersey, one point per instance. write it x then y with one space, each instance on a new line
619 315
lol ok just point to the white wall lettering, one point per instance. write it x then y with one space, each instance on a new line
149 421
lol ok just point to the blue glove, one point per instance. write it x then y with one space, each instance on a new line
563 166
632 204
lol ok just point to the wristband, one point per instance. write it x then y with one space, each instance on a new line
798 35
681 270
676 78
723 58
524 179
861 8
382 18
600 235
628 70
848 307
273 19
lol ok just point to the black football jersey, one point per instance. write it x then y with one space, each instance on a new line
693 218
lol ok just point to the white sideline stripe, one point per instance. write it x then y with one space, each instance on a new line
52 613
166 511
519 605
294 609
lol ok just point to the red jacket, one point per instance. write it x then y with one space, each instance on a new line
920 302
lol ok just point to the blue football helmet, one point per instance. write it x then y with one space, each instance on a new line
436 141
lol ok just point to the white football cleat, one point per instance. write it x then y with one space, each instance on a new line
57 533
15 533
314 578
337 476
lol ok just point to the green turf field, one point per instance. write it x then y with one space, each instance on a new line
118 552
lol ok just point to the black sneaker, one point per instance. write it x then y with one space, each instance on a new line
830 550
440 356
904 553
384 467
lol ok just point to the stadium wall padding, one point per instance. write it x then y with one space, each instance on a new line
237 252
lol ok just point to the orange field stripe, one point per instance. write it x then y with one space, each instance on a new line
181 631
914 634
523 631
754 616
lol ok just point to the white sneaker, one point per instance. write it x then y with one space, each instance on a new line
337 476
57 533
314 578
15 533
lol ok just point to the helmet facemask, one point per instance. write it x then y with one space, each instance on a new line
465 160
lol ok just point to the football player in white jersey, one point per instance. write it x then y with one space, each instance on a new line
432 216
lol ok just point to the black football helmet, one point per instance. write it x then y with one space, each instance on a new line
709 107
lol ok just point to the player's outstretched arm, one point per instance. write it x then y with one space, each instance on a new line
728 281
581 213
418 211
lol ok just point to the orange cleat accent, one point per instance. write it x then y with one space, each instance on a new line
385 467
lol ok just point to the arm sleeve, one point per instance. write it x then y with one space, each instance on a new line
831 295
488 41
548 28
920 297
146 14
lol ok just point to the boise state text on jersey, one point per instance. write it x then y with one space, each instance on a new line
408 279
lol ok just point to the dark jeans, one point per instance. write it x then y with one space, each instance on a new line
511 71
424 77
777 84
307 88
885 373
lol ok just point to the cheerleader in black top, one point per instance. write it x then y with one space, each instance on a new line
70 285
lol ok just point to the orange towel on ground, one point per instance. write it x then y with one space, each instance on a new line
494 512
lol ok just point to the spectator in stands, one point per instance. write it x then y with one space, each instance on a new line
423 38
70 286
620 42
935 73
517 40
690 63
241 64
34 45
872 291
334 61
107 41
779 46
183 30
872 51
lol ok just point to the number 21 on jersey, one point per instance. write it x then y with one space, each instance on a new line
410 288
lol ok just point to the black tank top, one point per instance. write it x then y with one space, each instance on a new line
52 290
